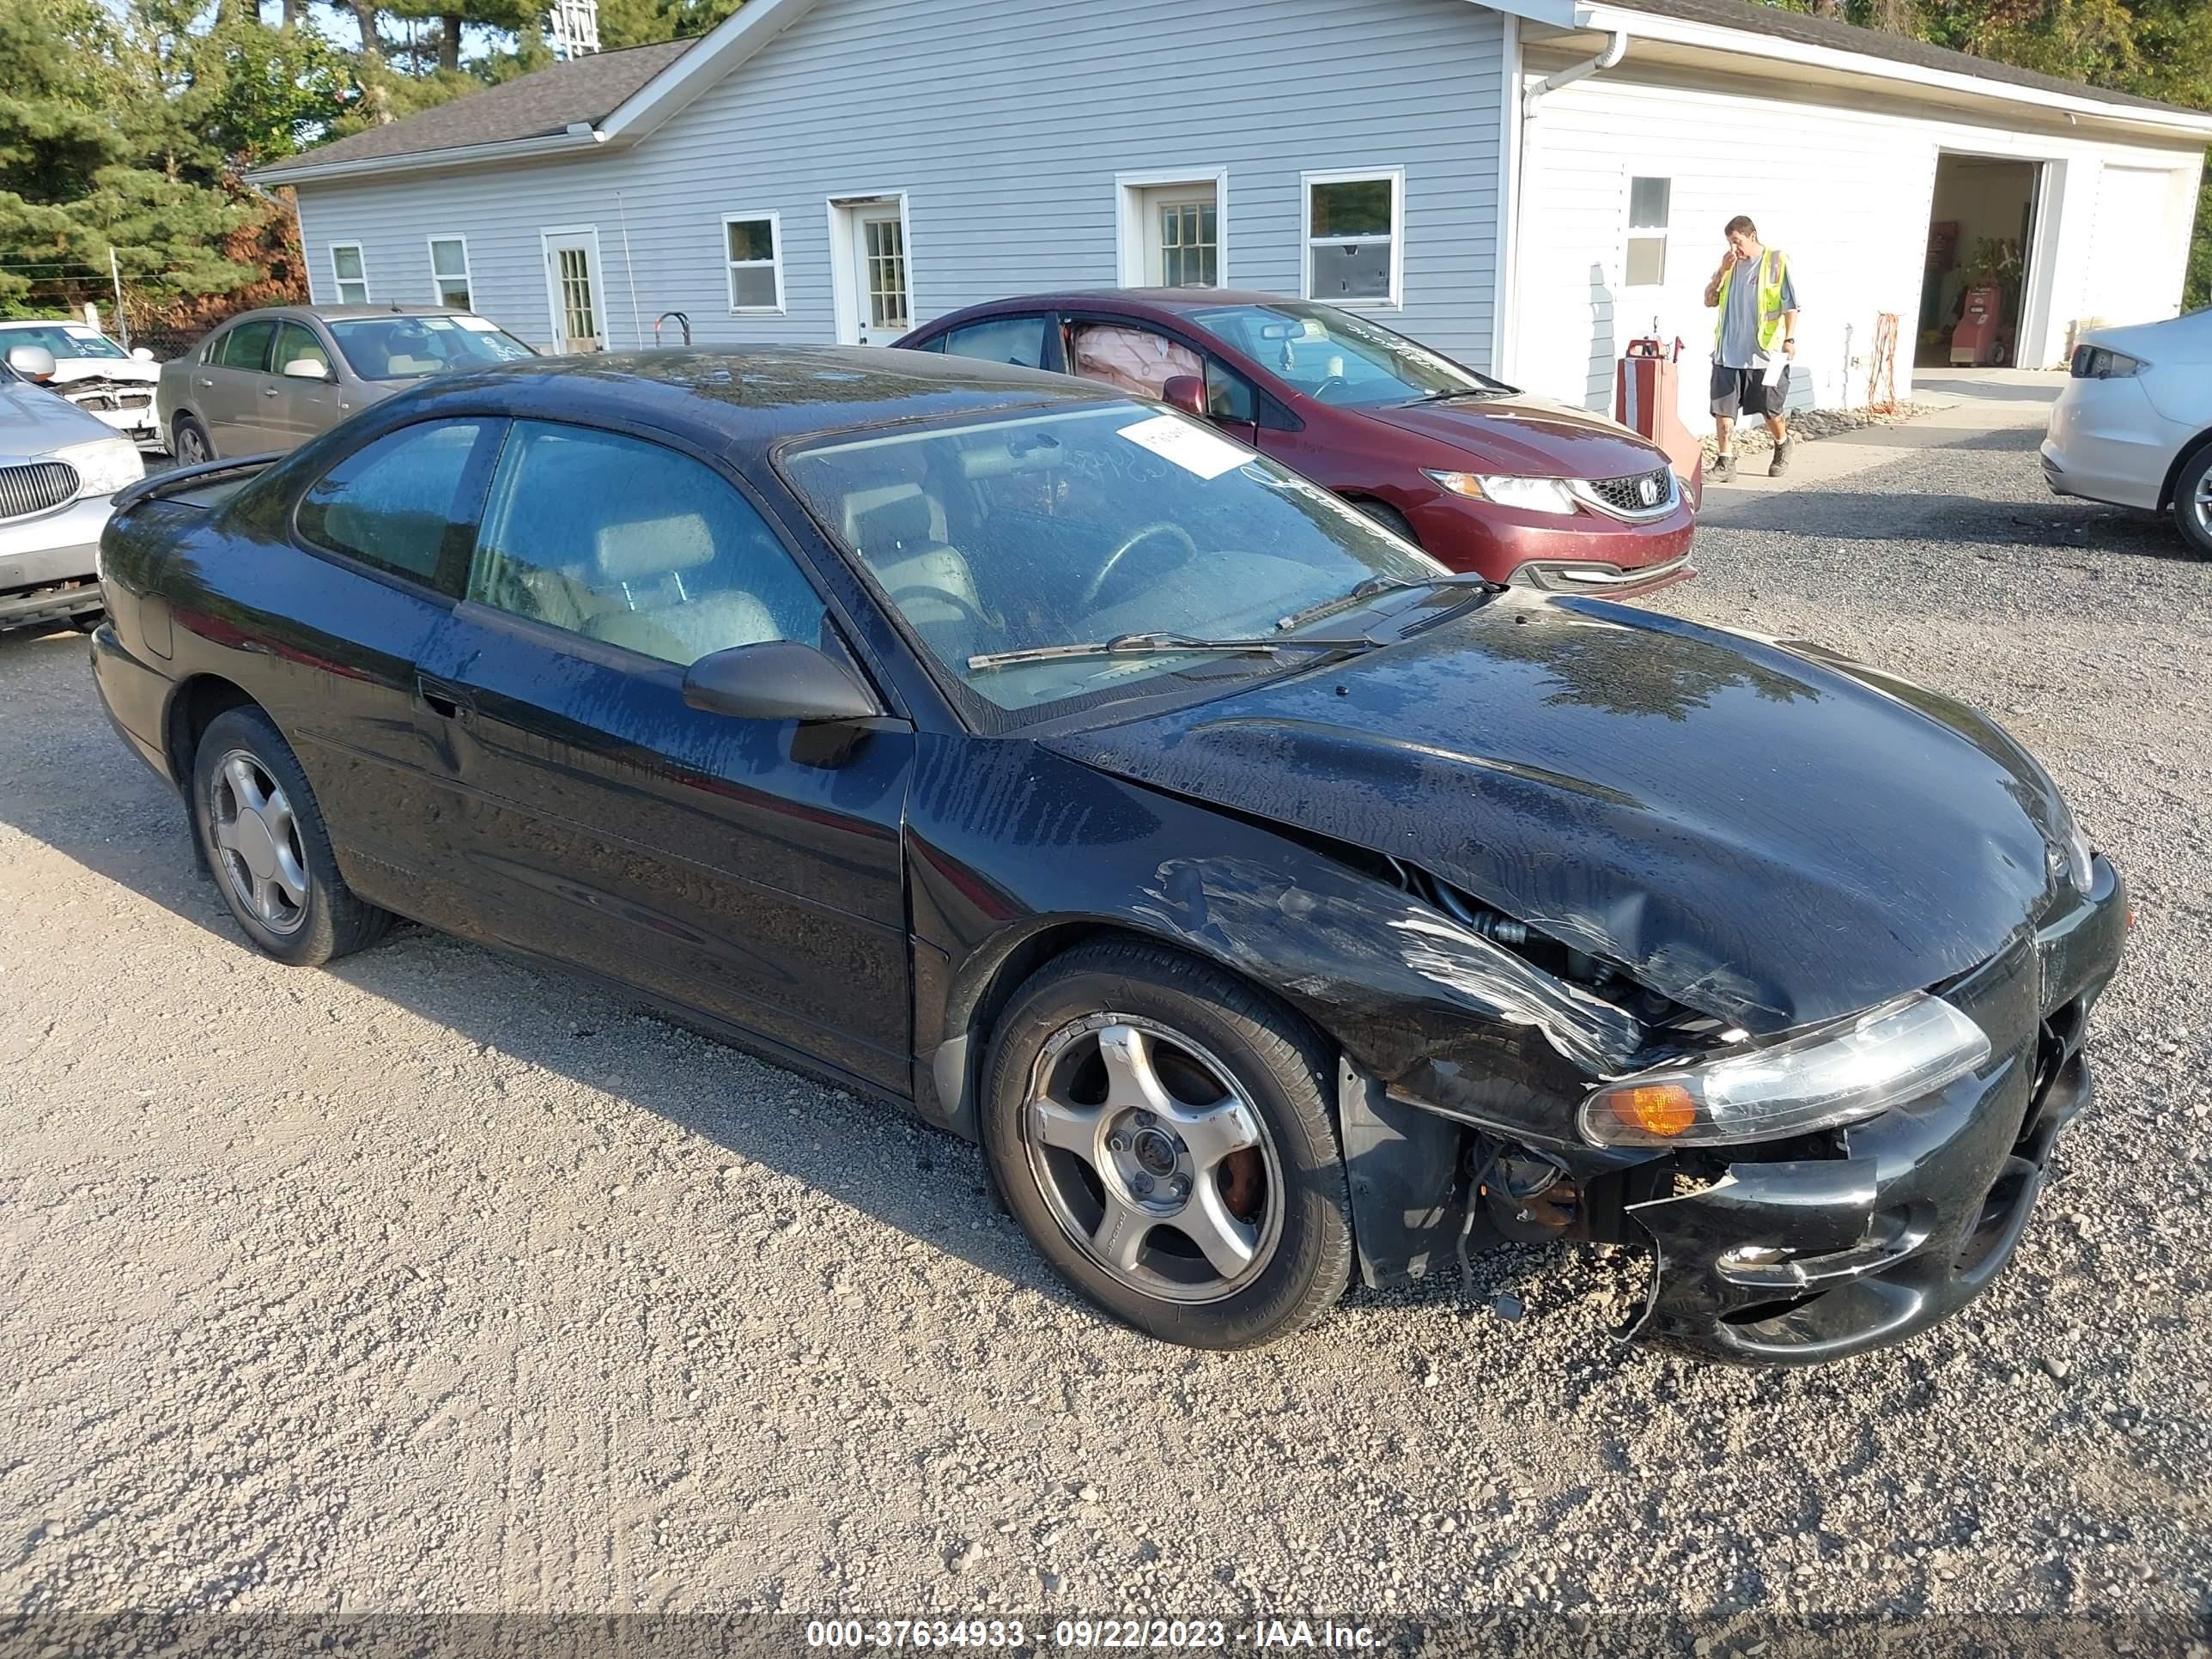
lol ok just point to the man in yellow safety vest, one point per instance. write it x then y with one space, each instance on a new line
1754 342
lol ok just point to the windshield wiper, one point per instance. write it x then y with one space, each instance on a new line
1367 590
1152 643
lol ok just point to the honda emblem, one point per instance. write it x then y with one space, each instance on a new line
1647 491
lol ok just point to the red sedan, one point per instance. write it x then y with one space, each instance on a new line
1483 476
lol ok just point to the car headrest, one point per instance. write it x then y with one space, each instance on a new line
908 518
639 548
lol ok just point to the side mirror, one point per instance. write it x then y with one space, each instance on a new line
306 368
777 680
1187 392
141 354
31 362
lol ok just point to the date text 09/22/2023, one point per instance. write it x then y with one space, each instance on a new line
1088 1634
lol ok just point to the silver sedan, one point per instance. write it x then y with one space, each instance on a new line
272 379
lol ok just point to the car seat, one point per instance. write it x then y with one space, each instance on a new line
647 603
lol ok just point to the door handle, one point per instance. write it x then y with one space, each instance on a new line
202 379
446 702
268 391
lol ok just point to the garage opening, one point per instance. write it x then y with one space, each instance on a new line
1981 246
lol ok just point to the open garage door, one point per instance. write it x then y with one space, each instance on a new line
1982 240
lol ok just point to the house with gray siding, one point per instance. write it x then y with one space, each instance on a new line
1525 185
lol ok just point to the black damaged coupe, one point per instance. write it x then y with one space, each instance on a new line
1273 904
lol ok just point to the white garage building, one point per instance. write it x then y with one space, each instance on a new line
1525 183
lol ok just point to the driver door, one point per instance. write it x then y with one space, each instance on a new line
739 867
1138 358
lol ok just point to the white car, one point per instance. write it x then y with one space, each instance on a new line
2134 425
100 377
58 468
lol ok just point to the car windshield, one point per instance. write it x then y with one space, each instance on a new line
1076 527
403 348
1334 357
63 340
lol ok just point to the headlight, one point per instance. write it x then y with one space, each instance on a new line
2073 847
1894 1053
1529 494
103 466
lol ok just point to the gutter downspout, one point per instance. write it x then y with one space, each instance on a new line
1616 48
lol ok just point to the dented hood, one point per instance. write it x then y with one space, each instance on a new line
1762 832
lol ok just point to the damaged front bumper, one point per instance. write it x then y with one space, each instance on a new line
1793 1260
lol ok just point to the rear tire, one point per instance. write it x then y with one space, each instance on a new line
2192 502
190 443
1163 1133
263 837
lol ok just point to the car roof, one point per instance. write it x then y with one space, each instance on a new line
344 314
1151 299
783 392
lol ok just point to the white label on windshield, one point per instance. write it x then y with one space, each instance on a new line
437 322
476 324
1193 448
79 331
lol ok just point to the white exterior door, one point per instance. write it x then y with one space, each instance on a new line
574 289
1182 238
877 253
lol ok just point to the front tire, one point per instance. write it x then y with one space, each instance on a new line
264 840
2192 502
191 443
1390 518
1163 1133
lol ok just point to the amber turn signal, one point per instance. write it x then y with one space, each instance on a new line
1657 1109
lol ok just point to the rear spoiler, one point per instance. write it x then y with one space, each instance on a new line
157 484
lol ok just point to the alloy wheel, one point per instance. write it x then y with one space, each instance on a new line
1152 1158
192 448
258 842
2202 506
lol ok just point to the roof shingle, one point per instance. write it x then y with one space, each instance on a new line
588 89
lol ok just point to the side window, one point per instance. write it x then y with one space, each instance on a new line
295 343
394 503
1018 340
1229 395
246 346
1649 210
626 542
1135 359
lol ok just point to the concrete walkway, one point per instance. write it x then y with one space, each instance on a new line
1970 402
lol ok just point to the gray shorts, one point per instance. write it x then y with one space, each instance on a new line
1743 392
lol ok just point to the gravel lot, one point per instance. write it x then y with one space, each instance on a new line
433 1283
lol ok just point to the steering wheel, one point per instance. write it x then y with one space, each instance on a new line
1161 528
1319 394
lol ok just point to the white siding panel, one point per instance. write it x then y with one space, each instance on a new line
1005 126
1845 191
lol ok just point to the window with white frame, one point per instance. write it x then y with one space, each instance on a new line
1649 202
350 272
1354 237
753 245
449 272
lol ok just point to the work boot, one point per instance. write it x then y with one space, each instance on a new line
1780 464
1723 469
